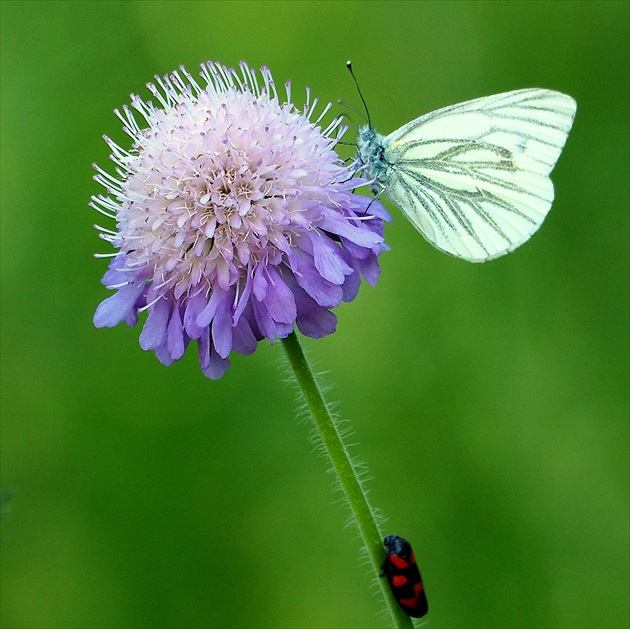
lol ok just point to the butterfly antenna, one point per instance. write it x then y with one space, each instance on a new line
351 108
354 78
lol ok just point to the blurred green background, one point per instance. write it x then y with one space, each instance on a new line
489 401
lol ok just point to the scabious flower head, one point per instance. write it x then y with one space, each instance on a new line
235 218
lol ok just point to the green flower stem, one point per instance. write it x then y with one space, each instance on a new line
345 472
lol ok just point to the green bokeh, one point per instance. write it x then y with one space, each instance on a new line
490 401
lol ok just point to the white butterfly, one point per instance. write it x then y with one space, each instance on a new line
473 178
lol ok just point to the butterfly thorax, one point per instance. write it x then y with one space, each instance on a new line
370 154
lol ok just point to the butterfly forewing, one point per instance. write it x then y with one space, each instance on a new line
473 178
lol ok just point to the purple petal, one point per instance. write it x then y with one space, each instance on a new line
263 319
203 343
321 290
175 335
164 356
366 206
370 269
360 236
153 333
251 318
243 339
317 322
207 314
328 260
113 275
132 317
222 326
193 307
216 367
244 298
259 286
279 301
351 286
114 309
284 329
312 320
307 276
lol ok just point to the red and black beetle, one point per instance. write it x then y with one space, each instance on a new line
404 578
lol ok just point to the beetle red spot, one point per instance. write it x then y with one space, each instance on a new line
409 602
399 580
399 562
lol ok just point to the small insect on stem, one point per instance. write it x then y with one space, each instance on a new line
404 578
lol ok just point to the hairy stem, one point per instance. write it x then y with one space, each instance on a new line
345 471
